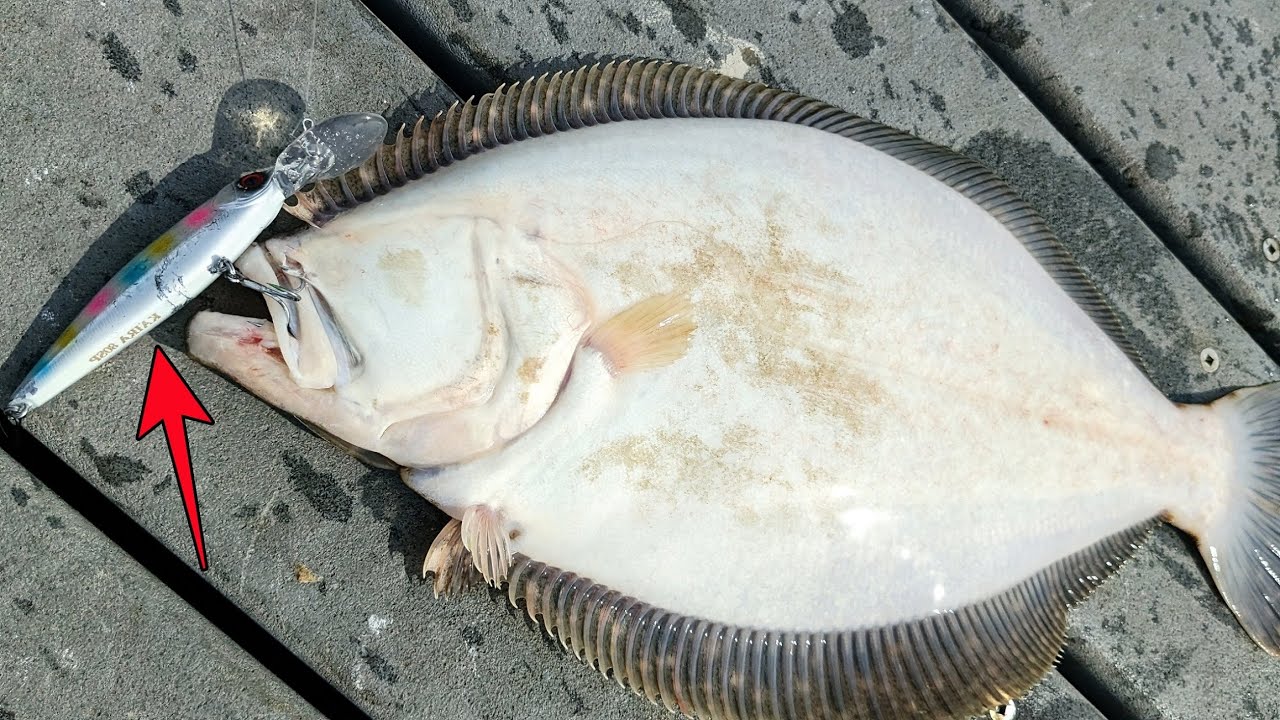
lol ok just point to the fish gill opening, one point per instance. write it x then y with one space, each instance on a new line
186 582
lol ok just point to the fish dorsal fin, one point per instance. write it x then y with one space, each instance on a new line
649 89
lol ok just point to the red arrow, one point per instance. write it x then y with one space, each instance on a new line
170 402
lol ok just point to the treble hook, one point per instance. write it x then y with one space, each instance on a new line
224 267
287 298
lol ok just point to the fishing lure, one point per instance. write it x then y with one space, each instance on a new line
181 263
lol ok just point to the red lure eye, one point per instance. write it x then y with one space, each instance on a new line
251 181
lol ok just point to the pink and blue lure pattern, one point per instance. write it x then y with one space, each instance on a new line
129 275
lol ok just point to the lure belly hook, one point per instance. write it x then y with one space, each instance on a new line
181 263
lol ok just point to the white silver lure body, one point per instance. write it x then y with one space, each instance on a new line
185 260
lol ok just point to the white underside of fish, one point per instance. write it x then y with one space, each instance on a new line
888 408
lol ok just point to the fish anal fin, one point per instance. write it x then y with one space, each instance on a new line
953 664
652 333
485 534
450 562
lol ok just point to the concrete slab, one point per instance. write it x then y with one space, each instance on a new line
1178 103
87 632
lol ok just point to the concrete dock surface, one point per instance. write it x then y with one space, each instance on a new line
1148 134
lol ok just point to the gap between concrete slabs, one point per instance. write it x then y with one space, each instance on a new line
910 65
89 632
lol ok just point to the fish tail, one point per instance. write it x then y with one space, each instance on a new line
1242 543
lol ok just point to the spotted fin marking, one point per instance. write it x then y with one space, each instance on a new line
951 664
654 89
450 562
653 333
484 533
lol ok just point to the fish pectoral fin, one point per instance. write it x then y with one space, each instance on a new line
450 562
653 333
485 534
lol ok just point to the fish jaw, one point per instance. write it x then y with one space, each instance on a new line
427 341
248 351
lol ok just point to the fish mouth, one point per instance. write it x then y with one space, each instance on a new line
232 344
296 359
250 353
313 343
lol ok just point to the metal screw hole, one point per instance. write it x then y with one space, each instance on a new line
1271 249
1209 360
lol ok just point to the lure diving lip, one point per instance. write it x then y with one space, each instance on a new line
181 263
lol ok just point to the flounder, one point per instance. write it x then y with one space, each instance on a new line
764 409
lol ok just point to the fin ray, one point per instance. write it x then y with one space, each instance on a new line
943 665
484 533
650 334
450 562
1242 549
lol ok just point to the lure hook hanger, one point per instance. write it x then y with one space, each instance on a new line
225 268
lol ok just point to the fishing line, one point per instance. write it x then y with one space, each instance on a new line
235 37
311 56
